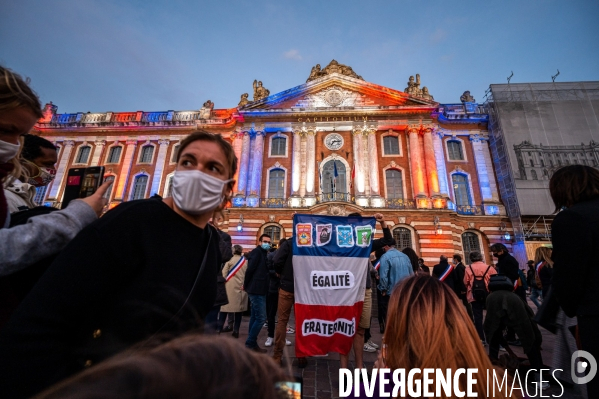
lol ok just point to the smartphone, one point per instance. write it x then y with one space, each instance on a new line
81 183
290 389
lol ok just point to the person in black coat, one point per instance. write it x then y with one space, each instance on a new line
575 237
256 285
460 271
147 267
508 266
272 298
447 273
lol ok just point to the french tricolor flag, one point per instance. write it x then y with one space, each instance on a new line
330 262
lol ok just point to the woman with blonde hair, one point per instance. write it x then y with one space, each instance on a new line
428 327
544 269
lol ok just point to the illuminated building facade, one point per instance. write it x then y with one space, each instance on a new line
334 145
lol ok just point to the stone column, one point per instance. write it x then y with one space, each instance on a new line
440 159
159 168
359 174
310 162
373 163
125 170
243 165
489 165
484 170
237 143
296 165
257 154
61 171
417 162
430 162
98 150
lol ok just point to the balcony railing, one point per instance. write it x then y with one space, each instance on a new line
330 197
468 210
253 202
397 203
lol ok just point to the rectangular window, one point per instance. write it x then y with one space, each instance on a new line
83 154
391 145
146 154
114 155
139 188
454 149
277 147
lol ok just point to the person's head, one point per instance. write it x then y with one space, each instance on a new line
355 214
498 249
206 365
281 241
475 256
265 241
237 249
457 258
38 159
379 252
420 261
443 258
203 180
531 264
411 254
573 184
391 243
543 254
446 337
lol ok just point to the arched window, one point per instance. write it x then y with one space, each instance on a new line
403 237
169 186
146 154
330 183
175 153
139 187
390 145
276 183
470 243
274 232
278 146
114 155
461 190
83 154
109 178
533 173
394 181
454 149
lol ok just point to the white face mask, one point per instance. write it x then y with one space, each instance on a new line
195 192
8 151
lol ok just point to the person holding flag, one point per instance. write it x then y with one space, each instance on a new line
234 274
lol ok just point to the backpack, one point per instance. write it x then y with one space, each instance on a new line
479 288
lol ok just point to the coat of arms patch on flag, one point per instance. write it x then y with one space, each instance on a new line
324 232
363 235
345 236
304 234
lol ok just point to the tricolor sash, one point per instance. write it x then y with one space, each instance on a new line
446 272
377 264
240 263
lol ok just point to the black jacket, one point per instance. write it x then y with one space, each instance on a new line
460 271
575 238
273 280
450 280
283 264
118 282
225 246
256 274
508 266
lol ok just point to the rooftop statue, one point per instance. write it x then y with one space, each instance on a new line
333 67
467 98
414 89
244 100
206 110
260 91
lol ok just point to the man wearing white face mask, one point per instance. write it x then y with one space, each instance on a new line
147 267
38 159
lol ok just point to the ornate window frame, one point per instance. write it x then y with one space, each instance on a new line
132 184
174 151
382 139
274 136
451 190
267 224
339 158
78 149
140 153
481 242
109 148
393 165
167 182
462 143
277 165
413 237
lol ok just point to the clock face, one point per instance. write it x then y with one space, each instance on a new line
333 141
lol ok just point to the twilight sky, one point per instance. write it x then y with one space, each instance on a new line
99 56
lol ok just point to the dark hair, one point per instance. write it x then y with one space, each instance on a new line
214 138
499 247
32 146
15 92
411 254
442 258
573 184
188 367
281 241
262 236
353 214
475 256
457 257
379 252
237 249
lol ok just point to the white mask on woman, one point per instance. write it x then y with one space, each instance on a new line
8 151
196 192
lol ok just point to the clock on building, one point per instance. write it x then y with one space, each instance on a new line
333 141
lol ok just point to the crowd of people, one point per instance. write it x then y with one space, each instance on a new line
93 305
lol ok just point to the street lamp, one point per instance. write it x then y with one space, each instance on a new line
438 229
240 224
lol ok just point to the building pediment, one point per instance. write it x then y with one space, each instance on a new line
336 90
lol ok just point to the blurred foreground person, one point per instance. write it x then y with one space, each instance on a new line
146 267
575 237
194 366
446 338
43 235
